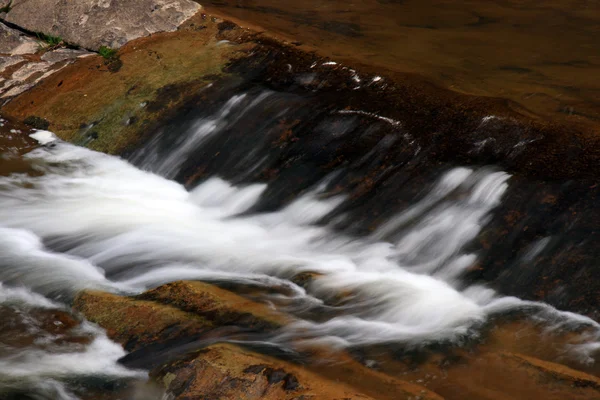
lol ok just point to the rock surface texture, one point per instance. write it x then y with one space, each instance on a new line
230 372
13 42
25 61
95 23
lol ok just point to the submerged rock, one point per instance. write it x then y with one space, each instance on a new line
91 24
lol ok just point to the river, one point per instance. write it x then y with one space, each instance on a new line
72 219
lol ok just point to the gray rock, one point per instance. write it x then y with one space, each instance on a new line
7 61
13 42
24 78
64 54
94 23
26 73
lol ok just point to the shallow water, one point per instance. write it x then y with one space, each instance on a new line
72 218
545 57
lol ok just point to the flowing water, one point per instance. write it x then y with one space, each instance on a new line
72 218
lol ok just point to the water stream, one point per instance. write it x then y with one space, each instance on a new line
72 218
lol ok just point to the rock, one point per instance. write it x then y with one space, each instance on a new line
13 42
184 61
175 314
24 78
37 122
172 330
555 372
41 328
64 54
220 306
94 23
486 378
22 73
483 374
226 371
8 61
136 323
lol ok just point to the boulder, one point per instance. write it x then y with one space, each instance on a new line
13 42
218 305
173 311
95 23
136 323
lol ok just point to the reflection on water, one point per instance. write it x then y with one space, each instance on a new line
543 55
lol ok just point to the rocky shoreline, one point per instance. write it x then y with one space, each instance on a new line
113 87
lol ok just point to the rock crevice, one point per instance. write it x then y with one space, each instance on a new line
95 23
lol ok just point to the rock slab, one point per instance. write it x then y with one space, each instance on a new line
13 42
95 23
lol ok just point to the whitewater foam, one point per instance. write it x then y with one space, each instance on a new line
118 227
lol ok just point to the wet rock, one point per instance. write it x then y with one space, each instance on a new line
229 372
482 372
555 372
304 279
392 138
171 320
530 379
136 323
91 24
169 328
36 122
217 305
38 328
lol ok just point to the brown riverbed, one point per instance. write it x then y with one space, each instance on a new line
545 56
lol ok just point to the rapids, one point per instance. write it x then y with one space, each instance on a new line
81 219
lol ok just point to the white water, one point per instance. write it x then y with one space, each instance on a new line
123 229
40 367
